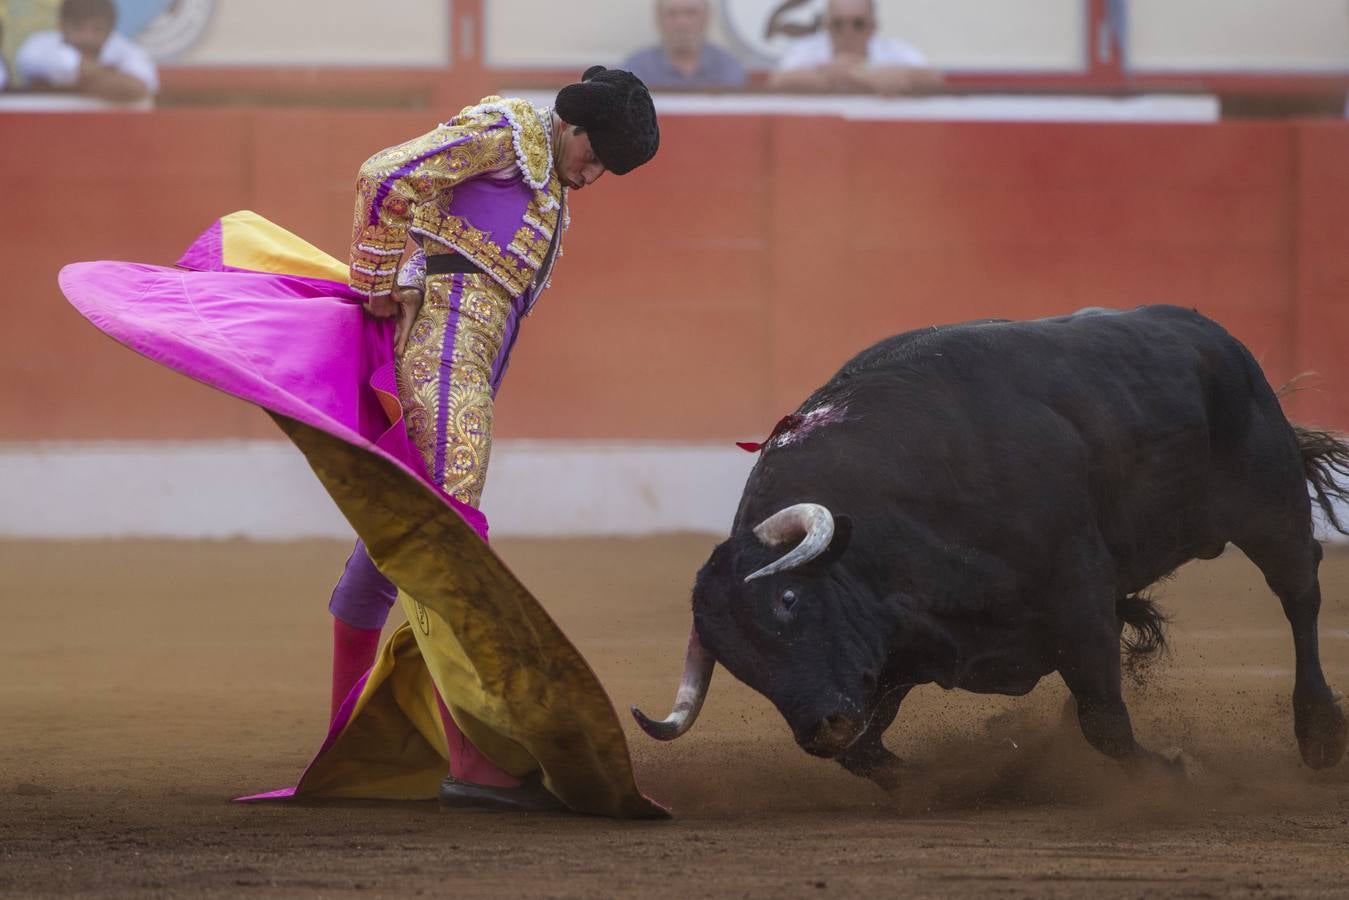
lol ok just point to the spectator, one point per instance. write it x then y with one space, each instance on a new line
848 55
86 56
4 67
684 58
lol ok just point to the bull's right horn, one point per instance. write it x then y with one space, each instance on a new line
698 665
810 523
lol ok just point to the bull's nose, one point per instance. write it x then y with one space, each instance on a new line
829 736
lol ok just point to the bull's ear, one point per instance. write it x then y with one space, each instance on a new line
839 543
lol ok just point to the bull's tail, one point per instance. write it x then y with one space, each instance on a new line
1146 635
1325 461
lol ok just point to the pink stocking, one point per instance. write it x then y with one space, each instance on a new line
466 761
354 652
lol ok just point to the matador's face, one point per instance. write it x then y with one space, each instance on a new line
575 160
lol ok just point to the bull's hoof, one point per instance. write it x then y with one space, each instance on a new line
1321 732
1184 766
877 765
888 776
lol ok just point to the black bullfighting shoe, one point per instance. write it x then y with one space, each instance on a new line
530 796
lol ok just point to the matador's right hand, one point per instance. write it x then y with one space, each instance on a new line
409 301
381 307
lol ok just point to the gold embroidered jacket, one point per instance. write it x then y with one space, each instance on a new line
482 184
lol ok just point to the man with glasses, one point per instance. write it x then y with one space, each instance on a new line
847 55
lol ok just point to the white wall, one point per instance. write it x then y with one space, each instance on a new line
992 34
987 35
265 490
325 33
290 32
1269 35
1028 35
576 33
971 34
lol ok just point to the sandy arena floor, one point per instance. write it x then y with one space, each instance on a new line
143 684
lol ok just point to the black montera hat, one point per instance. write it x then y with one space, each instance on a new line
615 109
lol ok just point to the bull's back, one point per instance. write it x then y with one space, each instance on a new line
1122 421
1143 373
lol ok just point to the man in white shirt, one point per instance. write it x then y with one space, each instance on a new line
848 55
86 56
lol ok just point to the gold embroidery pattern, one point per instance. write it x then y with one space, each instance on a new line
542 211
380 226
421 201
418 369
530 245
483 309
547 213
533 149
513 266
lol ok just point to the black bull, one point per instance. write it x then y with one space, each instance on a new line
980 505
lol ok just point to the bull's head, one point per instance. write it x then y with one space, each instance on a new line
797 629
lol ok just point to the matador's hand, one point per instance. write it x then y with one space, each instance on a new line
381 307
409 301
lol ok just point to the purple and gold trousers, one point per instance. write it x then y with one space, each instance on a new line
447 377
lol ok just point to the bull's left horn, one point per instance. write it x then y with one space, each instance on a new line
810 523
698 665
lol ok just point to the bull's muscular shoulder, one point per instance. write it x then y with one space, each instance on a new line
902 347
1069 361
1152 323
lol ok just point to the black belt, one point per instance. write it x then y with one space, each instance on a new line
450 263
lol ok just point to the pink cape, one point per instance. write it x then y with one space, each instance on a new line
297 346
295 342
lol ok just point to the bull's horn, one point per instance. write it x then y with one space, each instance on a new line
812 520
698 665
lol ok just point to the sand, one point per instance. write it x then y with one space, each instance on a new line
143 684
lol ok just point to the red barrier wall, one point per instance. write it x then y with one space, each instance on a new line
706 295
1321 272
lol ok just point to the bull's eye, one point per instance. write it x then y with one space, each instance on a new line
788 600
